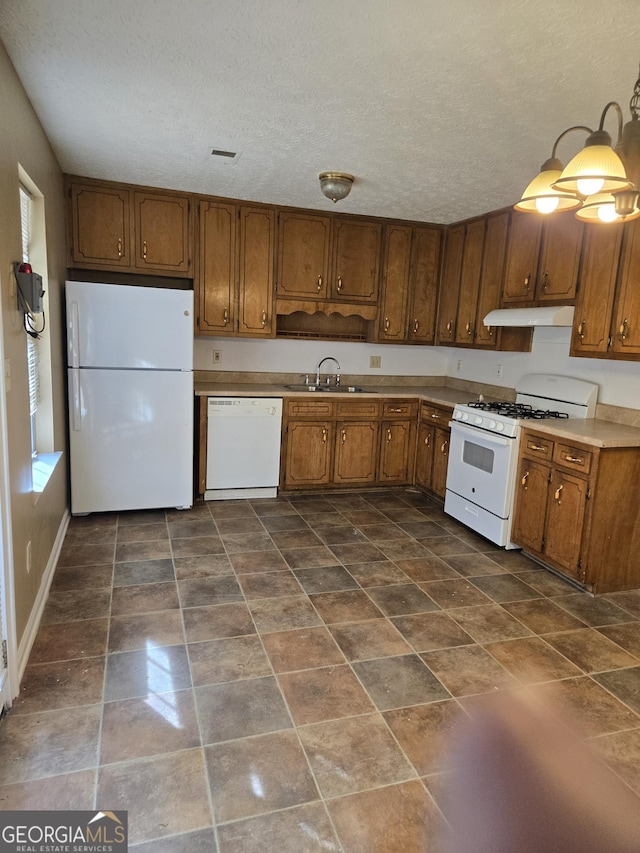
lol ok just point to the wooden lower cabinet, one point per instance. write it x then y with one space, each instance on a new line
432 449
578 510
339 442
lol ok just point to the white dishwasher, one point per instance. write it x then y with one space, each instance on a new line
243 447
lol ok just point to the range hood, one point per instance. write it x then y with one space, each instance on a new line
559 315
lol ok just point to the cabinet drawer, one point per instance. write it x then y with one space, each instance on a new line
432 414
309 408
399 408
537 447
361 409
575 458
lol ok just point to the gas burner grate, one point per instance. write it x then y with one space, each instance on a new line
517 410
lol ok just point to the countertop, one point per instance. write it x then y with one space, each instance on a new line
593 431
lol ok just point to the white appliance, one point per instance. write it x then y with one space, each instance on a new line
130 375
483 451
243 447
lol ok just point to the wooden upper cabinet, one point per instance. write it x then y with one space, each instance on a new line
216 276
356 260
396 265
493 259
470 281
625 332
450 284
594 305
304 242
163 232
557 280
256 272
423 294
522 257
99 228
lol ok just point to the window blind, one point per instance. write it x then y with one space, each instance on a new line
33 364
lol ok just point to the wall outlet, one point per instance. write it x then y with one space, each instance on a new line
28 559
499 371
217 356
375 361
458 365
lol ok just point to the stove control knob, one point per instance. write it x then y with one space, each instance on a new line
465 416
492 424
477 420
458 415
500 427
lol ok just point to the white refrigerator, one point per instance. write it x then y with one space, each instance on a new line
130 375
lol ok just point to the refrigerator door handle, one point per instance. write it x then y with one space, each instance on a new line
74 343
76 414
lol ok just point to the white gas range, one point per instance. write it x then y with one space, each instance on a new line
483 451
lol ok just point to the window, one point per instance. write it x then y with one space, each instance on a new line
32 343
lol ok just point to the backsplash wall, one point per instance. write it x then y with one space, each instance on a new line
619 381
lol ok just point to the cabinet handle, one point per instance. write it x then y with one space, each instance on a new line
490 331
339 283
399 411
524 479
415 325
324 436
344 435
556 496
541 447
144 250
581 329
264 318
388 436
623 329
577 459
427 440
319 282
119 247
435 417
443 448
545 281
387 323
449 326
225 316
527 282
468 327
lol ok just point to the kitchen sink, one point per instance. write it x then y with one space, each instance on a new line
332 389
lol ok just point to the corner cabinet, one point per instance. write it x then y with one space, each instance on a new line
234 284
578 510
117 227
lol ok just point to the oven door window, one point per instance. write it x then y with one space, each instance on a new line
477 456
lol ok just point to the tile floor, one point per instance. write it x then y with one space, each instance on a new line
281 675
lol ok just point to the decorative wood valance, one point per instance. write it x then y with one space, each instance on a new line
291 306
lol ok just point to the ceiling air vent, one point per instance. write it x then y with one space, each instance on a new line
230 155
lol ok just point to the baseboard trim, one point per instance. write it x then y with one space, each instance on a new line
29 634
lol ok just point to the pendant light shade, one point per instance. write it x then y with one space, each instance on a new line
601 207
541 196
595 169
335 185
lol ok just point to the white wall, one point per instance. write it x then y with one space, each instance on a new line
619 381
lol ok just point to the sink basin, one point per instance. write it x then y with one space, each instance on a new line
330 389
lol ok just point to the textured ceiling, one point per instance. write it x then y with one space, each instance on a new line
440 109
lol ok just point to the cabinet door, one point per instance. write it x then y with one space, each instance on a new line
493 258
356 452
309 453
356 260
255 268
626 320
470 281
565 520
395 451
594 306
424 285
163 233
100 227
441 439
562 237
392 322
424 455
450 285
216 281
303 255
522 257
531 505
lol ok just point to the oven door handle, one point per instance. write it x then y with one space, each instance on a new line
481 435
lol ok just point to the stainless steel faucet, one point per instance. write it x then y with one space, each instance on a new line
337 373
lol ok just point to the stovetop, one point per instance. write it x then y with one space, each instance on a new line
521 411
500 417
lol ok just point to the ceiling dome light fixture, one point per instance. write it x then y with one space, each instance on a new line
335 185
602 182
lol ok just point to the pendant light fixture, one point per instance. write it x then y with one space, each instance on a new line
600 182
335 185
